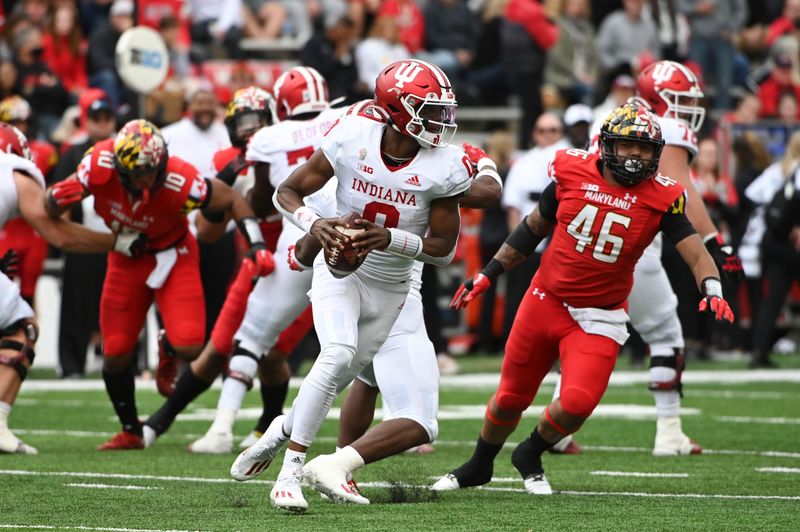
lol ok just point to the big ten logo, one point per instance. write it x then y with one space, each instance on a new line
146 58
364 168
591 187
406 73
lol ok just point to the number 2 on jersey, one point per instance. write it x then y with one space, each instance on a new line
580 228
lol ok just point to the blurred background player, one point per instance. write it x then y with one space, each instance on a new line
137 185
22 194
604 211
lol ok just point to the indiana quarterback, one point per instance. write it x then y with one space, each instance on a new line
604 211
405 180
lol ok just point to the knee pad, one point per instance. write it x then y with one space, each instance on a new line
243 367
511 401
578 402
666 371
332 363
23 350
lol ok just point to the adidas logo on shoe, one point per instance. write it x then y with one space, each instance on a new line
413 180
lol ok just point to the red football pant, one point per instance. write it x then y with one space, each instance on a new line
32 251
543 331
126 298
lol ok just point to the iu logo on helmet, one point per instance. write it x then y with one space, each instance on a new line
406 74
663 71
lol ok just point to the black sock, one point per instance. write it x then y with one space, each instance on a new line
188 387
479 468
527 457
272 398
120 388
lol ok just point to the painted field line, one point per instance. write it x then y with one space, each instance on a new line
794 470
79 527
762 420
123 476
638 474
111 486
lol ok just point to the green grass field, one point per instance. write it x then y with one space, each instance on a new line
743 426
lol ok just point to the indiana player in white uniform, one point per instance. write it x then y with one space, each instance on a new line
403 193
673 93
22 194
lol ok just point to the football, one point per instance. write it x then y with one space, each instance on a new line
342 263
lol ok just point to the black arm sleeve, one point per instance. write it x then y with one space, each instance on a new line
548 204
676 226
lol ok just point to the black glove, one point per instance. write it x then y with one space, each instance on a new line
729 265
232 170
9 264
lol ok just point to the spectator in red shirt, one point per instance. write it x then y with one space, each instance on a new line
779 81
65 48
410 22
788 22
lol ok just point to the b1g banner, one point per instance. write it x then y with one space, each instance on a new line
142 59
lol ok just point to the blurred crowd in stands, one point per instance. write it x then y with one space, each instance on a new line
561 63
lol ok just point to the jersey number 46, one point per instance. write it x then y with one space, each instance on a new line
607 246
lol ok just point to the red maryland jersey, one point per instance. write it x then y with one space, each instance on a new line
601 230
162 217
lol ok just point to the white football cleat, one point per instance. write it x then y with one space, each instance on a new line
254 460
537 484
671 441
213 443
326 475
149 436
287 494
10 444
250 439
449 482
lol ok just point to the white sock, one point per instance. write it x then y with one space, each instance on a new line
668 402
223 420
293 463
5 410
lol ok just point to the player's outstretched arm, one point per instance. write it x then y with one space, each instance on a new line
260 195
62 195
56 230
486 187
706 276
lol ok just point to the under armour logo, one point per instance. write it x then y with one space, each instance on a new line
536 292
406 73
630 198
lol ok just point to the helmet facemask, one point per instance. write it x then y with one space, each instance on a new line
242 126
433 121
685 106
629 171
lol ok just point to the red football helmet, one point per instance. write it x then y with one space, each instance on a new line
419 100
14 142
671 90
249 110
300 90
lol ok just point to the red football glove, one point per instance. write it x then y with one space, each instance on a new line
65 193
713 301
292 260
263 260
474 153
469 290
9 264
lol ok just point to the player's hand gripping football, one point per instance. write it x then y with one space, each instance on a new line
131 244
65 193
469 290
714 302
373 237
262 259
324 230
9 263
726 260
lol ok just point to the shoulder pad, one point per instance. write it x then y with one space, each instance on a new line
101 162
676 133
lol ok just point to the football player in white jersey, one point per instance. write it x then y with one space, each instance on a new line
405 179
304 114
22 194
673 93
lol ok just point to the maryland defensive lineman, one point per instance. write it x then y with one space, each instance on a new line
403 175
673 93
21 194
301 96
604 210
138 187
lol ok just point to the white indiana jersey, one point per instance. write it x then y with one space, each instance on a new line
398 198
288 144
675 133
9 198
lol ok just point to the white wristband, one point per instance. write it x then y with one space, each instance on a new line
304 218
490 172
485 162
712 287
404 244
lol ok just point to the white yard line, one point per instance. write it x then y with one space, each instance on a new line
793 470
638 474
474 380
80 527
123 476
761 420
111 486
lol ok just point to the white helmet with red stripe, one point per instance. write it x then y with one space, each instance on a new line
671 90
419 100
300 90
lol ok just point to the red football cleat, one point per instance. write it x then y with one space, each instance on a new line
167 367
122 441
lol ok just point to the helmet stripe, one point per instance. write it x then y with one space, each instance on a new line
441 77
312 87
